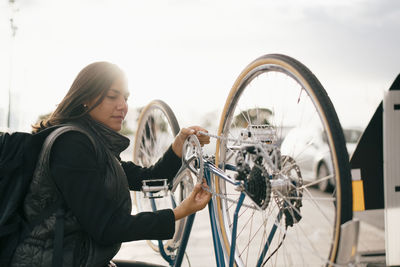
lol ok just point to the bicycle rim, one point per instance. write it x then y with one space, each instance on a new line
280 94
157 128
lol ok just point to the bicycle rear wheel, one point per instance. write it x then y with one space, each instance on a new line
157 128
279 103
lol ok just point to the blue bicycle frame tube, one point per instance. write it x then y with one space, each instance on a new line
163 254
209 167
173 202
184 240
219 253
234 228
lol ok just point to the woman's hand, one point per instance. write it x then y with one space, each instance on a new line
197 200
184 133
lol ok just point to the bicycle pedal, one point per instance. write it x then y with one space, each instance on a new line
157 188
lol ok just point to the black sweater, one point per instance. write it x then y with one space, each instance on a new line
79 178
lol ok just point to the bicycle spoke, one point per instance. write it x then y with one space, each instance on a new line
317 181
317 206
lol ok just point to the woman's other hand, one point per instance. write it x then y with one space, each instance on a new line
197 200
184 133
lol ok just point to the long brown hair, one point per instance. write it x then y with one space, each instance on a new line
92 82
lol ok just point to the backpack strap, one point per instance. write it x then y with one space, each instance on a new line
58 205
58 238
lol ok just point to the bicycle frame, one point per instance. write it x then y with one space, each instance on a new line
209 170
272 96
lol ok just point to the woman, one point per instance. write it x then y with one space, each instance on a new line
93 182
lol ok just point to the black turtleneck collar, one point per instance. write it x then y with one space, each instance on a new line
111 139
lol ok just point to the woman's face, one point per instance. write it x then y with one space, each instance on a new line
112 110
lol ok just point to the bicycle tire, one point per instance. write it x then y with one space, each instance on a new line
156 130
266 82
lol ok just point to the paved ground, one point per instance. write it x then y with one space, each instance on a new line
200 248
200 252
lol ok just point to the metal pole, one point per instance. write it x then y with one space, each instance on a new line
14 29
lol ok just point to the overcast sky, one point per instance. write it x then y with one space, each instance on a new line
189 53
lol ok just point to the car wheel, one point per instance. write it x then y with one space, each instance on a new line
324 185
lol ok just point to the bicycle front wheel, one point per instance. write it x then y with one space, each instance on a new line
281 111
157 128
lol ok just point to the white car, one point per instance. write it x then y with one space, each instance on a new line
309 148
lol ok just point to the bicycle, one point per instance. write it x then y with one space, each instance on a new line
264 210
